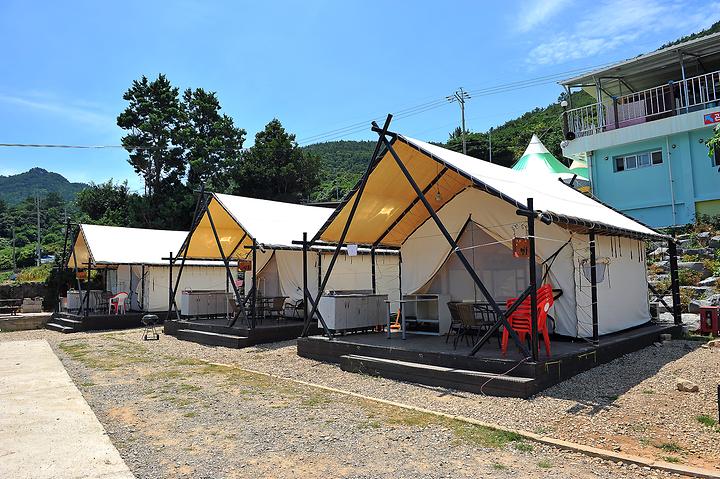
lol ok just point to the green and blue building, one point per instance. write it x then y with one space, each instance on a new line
644 137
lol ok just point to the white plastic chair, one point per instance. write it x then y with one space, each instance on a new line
118 303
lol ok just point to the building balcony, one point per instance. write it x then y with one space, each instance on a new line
663 101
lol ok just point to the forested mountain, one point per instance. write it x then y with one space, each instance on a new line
341 165
15 188
343 162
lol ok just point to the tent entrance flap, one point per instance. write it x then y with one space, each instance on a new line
504 275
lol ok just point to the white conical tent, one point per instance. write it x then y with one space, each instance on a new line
537 160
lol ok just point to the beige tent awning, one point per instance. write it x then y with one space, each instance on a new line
238 220
390 211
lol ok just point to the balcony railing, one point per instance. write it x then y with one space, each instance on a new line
674 98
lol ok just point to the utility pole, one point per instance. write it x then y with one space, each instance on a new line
37 208
13 249
490 140
460 96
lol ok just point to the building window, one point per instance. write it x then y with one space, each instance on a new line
638 160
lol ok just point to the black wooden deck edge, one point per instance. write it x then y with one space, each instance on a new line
544 373
269 333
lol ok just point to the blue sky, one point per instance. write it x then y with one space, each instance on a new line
318 66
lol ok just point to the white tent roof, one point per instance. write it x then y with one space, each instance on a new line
389 212
548 194
274 223
113 245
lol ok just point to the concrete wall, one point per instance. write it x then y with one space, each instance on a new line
647 193
22 290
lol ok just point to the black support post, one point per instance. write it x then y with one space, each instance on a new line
674 281
372 261
142 288
253 298
343 235
171 290
305 280
226 261
454 247
533 282
87 294
593 288
184 249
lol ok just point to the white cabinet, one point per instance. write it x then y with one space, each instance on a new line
199 303
349 312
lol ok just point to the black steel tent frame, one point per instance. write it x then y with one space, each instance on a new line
385 145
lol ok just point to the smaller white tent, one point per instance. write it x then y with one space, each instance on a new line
132 262
273 226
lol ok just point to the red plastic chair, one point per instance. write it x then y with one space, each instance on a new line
520 319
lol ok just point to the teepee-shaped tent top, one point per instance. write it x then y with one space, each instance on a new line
538 160
580 168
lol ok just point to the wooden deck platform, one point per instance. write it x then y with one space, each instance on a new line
72 323
216 332
429 360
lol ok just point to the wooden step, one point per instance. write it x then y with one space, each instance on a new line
210 338
427 374
60 328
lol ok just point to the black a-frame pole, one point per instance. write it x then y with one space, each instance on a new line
453 244
343 235
183 252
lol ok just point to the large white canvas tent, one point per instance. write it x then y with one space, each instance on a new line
241 222
132 260
478 203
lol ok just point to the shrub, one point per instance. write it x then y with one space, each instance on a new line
689 277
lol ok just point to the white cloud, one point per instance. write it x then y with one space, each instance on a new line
535 12
78 113
614 23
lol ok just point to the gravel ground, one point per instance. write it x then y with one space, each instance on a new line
172 417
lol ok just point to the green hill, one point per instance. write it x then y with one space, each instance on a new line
342 164
15 188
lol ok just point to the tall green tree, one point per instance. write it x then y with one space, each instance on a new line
212 142
153 120
275 167
105 203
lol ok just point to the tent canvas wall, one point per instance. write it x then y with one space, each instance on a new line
460 187
124 254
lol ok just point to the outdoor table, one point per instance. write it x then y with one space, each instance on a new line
11 305
264 303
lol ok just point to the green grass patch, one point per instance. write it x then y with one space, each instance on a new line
669 447
499 467
523 446
190 414
648 391
315 400
706 420
188 362
189 387
672 459
111 354
545 464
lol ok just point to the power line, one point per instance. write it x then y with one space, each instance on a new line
359 127
477 92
